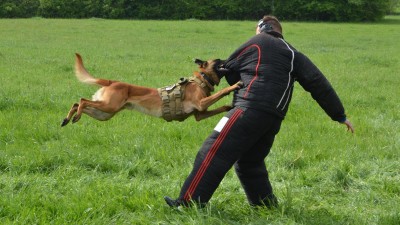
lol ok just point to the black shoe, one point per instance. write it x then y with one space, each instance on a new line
270 202
171 202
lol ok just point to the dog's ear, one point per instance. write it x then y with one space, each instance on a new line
200 62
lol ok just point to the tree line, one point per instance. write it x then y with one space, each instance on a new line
300 10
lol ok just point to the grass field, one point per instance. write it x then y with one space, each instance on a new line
117 172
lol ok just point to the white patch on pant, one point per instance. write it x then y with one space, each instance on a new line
221 124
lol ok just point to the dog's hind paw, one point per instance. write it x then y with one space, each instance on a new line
76 119
65 122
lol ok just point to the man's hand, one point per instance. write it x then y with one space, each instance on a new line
349 126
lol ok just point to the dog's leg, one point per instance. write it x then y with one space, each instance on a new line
84 103
208 101
71 112
97 114
108 108
200 115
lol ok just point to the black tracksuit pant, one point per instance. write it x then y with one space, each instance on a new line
243 140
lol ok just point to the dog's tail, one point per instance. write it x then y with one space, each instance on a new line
84 76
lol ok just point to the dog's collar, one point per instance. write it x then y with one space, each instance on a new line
203 84
207 79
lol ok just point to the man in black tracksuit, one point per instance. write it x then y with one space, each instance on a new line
268 66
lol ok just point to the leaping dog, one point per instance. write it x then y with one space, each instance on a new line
177 102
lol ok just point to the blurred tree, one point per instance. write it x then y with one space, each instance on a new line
321 10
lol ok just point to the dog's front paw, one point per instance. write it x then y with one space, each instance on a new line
239 84
227 107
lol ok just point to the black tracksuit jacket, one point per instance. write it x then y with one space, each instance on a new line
268 67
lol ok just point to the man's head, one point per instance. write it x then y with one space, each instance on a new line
269 23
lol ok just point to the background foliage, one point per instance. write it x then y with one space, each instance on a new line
326 10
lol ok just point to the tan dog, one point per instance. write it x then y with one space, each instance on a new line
114 96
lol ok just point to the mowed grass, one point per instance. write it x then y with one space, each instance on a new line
117 172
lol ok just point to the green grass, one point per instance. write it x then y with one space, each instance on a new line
117 172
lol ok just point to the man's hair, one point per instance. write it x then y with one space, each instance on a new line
274 22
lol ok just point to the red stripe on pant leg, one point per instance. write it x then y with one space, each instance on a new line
205 163
210 155
208 158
